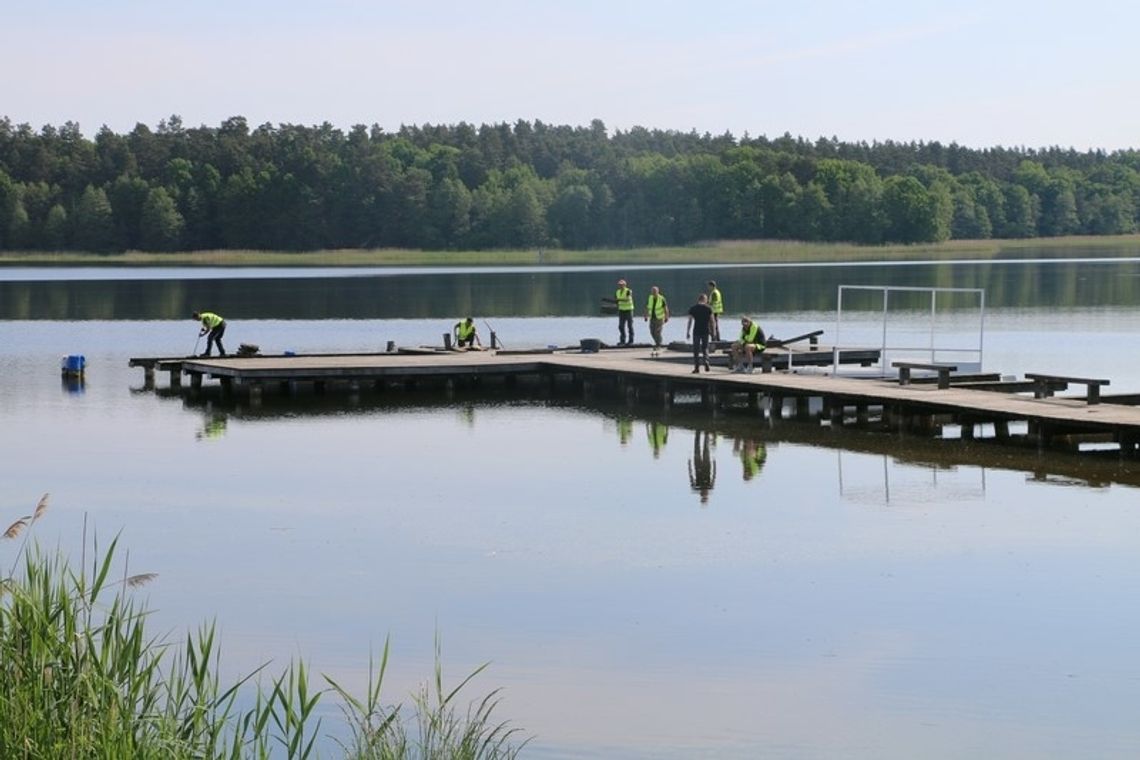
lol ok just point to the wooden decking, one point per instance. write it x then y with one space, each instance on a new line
1052 421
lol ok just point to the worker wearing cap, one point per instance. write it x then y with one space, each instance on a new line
716 303
624 299
750 342
213 327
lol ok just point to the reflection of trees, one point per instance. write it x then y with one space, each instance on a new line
542 293
702 467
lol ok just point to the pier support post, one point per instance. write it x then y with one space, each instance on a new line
861 415
803 407
176 377
148 377
1001 430
196 380
255 392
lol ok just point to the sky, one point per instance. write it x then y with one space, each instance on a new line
975 72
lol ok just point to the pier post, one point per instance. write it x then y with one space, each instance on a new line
255 395
447 341
1001 430
803 407
196 380
391 347
176 377
148 377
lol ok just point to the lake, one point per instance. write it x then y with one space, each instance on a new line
644 583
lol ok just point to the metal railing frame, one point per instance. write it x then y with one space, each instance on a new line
932 348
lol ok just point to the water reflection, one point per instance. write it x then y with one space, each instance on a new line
702 466
658 435
73 384
548 292
753 454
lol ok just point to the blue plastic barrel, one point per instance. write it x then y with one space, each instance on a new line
74 364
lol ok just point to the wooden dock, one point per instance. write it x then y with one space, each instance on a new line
979 406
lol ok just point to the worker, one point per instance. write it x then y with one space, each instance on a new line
750 342
656 314
700 318
716 303
624 299
213 327
466 334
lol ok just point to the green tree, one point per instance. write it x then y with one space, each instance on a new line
911 212
94 222
160 228
56 229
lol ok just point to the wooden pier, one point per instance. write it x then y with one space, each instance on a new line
1022 412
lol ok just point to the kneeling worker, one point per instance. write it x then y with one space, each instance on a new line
465 334
751 341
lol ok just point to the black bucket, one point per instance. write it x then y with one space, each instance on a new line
590 345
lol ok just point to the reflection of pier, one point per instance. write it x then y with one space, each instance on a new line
970 410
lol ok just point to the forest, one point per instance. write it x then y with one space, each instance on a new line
531 185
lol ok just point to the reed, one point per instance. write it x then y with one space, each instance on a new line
80 677
707 253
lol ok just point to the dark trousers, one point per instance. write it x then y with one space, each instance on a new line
625 319
700 349
215 337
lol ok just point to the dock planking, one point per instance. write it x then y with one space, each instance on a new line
1050 418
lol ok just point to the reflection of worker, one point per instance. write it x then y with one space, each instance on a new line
624 298
752 454
656 314
466 334
716 303
750 342
658 433
702 467
214 428
213 327
625 429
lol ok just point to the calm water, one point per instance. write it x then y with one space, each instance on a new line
645 584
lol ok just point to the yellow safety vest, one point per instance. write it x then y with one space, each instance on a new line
716 301
465 330
751 335
624 297
210 319
656 306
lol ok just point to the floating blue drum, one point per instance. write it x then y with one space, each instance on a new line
74 364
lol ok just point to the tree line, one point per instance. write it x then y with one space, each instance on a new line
296 188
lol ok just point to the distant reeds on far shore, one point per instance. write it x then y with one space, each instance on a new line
713 252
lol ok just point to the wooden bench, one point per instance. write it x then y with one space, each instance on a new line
1043 385
943 371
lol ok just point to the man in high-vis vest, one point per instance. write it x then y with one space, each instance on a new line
624 299
465 334
750 342
716 303
213 327
656 314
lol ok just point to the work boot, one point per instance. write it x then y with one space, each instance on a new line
696 371
707 366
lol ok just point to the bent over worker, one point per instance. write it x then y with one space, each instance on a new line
466 334
751 341
213 327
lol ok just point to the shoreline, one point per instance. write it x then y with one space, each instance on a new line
714 253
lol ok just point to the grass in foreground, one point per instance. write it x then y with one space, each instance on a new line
717 252
80 678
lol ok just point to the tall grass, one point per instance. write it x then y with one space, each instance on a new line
80 677
710 252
